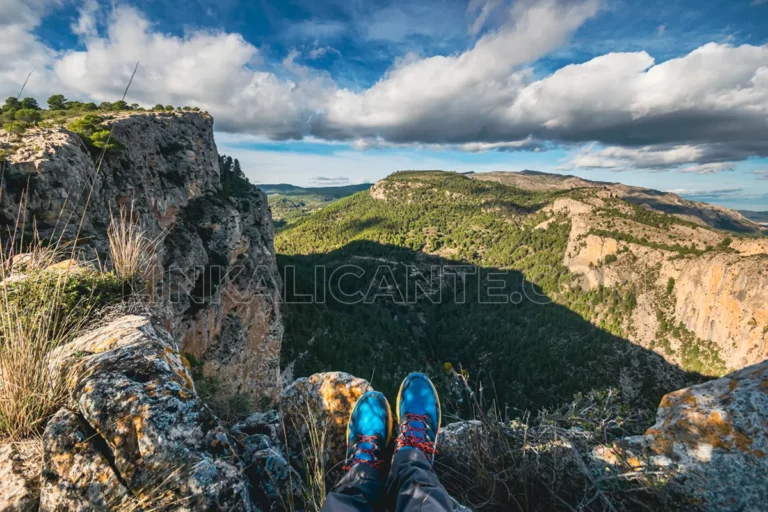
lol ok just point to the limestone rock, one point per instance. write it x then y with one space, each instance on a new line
216 288
453 441
19 476
326 401
715 435
274 483
129 384
77 473
718 294
267 424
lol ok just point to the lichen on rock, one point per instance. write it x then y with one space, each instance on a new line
322 402
216 254
128 383
19 476
715 436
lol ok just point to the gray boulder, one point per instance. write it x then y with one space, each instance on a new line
714 438
137 418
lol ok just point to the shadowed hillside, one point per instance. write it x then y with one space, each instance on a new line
412 313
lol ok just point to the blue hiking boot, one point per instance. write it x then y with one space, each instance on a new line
418 414
369 430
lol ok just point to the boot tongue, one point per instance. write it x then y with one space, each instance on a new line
364 450
416 428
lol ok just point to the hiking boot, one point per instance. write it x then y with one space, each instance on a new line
418 414
369 430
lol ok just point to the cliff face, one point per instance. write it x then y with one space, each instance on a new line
724 299
715 287
217 282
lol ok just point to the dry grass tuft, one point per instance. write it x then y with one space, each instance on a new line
313 461
133 253
31 327
546 462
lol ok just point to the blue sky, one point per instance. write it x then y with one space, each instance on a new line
671 95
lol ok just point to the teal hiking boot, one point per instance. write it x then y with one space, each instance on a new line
369 430
418 414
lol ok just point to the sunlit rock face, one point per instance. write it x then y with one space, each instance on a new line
19 475
135 424
216 285
715 435
322 401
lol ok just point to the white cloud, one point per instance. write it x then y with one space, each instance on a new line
707 193
482 10
697 113
317 52
86 20
710 168
682 158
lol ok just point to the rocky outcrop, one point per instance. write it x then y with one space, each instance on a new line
273 480
136 427
724 298
77 472
662 202
317 408
19 476
717 293
216 287
714 435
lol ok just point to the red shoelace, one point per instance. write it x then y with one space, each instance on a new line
407 437
371 452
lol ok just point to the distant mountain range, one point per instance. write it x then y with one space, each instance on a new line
290 203
757 217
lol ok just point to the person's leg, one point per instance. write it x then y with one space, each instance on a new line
360 489
368 433
413 484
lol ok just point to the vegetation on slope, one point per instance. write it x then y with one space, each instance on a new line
534 346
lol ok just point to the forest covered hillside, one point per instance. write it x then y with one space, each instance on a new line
559 290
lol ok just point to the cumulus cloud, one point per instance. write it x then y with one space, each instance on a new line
86 19
698 113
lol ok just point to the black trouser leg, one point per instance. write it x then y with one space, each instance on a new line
413 485
361 489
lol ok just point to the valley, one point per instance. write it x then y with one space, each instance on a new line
615 286
290 204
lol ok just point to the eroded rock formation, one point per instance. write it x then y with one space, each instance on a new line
136 429
217 284
715 436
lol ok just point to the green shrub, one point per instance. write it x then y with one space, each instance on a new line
28 115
